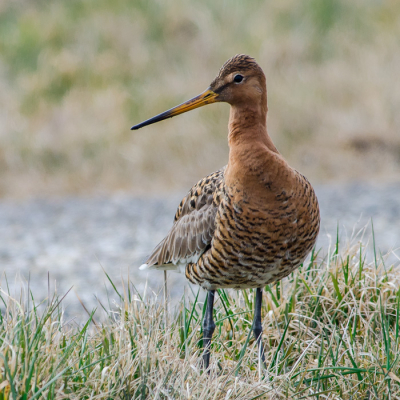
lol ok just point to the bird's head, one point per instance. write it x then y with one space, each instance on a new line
240 82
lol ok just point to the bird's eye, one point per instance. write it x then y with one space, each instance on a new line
238 78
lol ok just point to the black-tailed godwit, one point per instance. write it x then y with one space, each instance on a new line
252 222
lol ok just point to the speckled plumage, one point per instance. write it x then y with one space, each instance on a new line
255 220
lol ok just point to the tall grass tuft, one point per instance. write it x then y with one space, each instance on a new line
331 331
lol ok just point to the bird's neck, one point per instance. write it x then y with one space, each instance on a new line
253 158
248 127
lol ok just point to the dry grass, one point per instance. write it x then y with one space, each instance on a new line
74 76
331 331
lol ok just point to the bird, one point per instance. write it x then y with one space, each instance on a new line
252 222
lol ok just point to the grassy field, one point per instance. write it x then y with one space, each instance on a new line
76 75
331 331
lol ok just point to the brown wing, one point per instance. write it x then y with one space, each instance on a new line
194 224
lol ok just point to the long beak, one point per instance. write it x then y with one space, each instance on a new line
202 99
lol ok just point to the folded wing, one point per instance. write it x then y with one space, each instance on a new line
194 225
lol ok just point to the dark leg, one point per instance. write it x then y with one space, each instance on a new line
257 327
208 328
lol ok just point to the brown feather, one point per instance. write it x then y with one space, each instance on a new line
194 224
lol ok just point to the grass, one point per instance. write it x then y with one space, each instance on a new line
331 331
76 75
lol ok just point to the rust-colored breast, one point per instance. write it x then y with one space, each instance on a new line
258 240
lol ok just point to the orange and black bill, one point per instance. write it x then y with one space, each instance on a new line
202 99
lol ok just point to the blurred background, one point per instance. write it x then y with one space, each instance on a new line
80 192
76 75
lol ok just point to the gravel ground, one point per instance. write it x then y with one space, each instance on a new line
74 239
